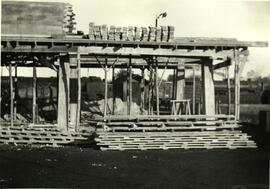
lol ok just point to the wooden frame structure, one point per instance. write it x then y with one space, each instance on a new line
68 56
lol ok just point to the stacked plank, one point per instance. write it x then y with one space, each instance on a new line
131 33
170 132
173 140
37 18
49 136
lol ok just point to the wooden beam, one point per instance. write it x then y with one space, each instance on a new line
11 95
193 91
113 86
63 94
34 103
142 90
180 82
130 87
157 87
126 51
106 88
228 90
236 86
15 92
208 88
223 64
73 93
78 113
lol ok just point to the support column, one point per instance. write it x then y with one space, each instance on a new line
34 103
73 92
142 91
180 81
15 92
78 112
193 92
63 93
236 86
113 95
208 87
106 89
157 87
130 87
11 94
228 90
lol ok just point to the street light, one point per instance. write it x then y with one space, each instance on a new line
162 15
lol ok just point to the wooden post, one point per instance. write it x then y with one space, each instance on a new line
173 84
157 87
1 67
142 90
78 112
34 103
236 86
11 94
208 88
73 92
150 90
63 94
106 88
180 81
130 87
229 90
193 91
15 92
113 95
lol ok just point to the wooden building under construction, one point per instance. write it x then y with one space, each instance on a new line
132 48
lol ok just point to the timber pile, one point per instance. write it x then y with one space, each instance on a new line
173 140
37 18
170 132
131 33
44 135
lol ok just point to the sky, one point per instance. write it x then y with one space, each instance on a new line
244 20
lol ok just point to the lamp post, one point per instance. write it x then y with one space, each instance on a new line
162 15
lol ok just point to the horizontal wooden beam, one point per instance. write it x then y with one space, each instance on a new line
191 42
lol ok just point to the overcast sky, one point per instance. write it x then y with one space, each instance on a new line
244 20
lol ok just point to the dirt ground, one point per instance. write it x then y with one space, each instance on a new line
71 167
75 167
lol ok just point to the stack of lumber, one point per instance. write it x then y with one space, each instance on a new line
43 135
173 140
131 33
37 18
166 132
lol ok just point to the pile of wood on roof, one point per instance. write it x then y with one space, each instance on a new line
131 33
37 18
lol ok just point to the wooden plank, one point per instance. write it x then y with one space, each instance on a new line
228 90
157 88
106 89
15 92
34 103
113 89
11 95
193 91
63 94
208 88
73 92
142 91
130 86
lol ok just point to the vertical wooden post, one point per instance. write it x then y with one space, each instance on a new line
78 112
106 88
180 81
157 87
130 86
228 90
73 92
173 84
193 92
142 90
11 94
113 95
236 86
208 87
150 90
1 74
15 92
63 94
34 103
